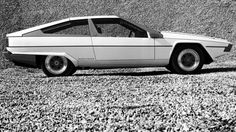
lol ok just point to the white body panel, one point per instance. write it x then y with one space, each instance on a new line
163 48
114 48
187 36
74 48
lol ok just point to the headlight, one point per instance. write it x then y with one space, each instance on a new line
228 48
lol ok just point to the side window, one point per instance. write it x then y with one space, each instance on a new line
73 28
113 30
116 27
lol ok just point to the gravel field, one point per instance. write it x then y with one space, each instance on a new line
144 99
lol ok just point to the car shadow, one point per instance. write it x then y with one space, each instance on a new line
149 73
216 70
152 73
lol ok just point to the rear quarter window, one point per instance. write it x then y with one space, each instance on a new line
71 28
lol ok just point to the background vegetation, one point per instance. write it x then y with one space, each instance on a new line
215 18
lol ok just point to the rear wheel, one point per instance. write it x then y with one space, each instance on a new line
57 66
187 60
72 71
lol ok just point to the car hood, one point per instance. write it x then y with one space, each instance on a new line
187 36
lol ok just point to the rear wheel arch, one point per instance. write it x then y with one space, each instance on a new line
41 60
53 65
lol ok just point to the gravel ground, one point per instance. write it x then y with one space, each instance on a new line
144 99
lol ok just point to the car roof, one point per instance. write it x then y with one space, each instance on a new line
20 33
92 17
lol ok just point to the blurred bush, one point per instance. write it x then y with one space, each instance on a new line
216 18
10 21
209 17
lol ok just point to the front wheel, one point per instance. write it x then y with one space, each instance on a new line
187 60
57 66
169 67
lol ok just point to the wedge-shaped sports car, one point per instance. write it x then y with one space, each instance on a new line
62 47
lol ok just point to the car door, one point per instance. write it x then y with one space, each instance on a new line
118 40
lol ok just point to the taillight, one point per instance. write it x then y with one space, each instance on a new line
5 45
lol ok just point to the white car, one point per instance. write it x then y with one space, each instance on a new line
62 47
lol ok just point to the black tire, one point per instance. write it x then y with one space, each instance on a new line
169 67
187 60
57 66
72 71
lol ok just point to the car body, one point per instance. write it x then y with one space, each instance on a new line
61 47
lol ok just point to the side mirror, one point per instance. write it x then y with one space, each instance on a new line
156 35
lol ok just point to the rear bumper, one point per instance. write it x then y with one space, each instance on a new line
21 60
7 55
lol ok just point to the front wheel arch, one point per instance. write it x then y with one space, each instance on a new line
193 50
207 58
